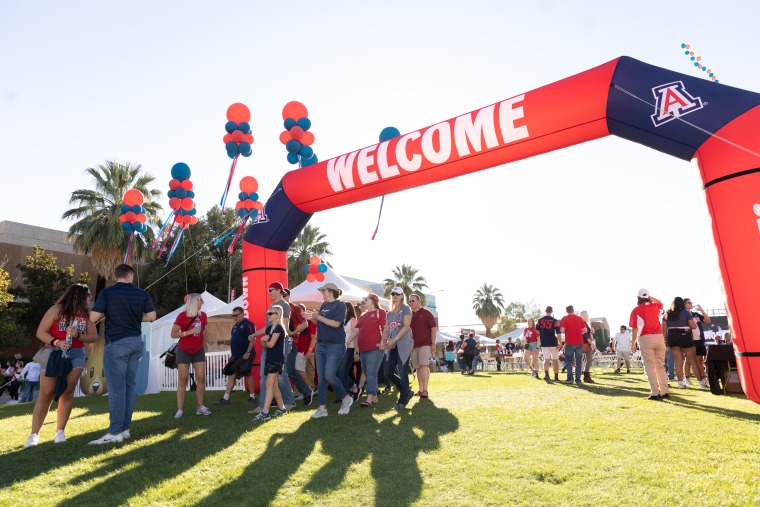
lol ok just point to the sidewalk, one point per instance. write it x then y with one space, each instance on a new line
6 397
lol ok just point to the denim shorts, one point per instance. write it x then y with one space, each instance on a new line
78 357
531 346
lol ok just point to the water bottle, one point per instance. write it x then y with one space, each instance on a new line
197 328
69 339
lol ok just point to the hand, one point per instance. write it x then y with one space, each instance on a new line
246 355
310 315
63 344
72 331
308 354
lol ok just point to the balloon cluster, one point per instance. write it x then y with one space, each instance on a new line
697 62
181 195
238 139
132 213
315 270
248 198
296 136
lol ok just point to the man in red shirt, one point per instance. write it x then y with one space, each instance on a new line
424 331
572 327
647 334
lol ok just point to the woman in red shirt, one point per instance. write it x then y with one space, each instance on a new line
368 335
188 327
68 317
530 337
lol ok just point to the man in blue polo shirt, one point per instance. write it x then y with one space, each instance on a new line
240 347
125 307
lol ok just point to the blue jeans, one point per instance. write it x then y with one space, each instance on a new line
381 378
401 381
460 363
290 366
29 391
120 361
288 398
371 361
670 364
574 351
328 357
345 367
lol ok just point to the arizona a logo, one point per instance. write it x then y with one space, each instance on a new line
673 101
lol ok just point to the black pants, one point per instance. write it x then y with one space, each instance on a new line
450 366
468 361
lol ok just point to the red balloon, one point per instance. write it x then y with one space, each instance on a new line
248 204
187 185
122 218
129 217
314 260
238 113
307 139
133 197
187 204
295 110
193 220
313 269
296 133
140 217
285 137
257 205
174 184
248 138
174 203
238 204
227 138
311 277
248 184
237 136
320 277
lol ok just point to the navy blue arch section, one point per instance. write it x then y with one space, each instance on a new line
708 105
281 225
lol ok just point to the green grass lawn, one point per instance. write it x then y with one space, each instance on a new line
492 439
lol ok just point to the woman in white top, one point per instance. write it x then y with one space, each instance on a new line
345 373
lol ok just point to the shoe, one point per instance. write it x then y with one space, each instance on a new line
252 399
178 415
617 370
202 410
569 381
578 383
262 417
653 397
12 402
321 412
366 403
688 381
108 438
308 399
628 370
60 438
345 405
280 412
337 401
556 378
290 407
299 397
703 384
222 402
665 396
682 384
256 410
125 435
423 394
387 390
398 407
546 376
33 440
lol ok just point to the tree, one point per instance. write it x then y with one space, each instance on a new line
515 313
97 230
311 241
488 304
43 283
11 333
408 279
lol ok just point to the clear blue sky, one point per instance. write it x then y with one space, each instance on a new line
149 82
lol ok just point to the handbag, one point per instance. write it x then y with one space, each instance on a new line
42 356
171 353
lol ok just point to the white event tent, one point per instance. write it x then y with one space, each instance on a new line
308 293
161 329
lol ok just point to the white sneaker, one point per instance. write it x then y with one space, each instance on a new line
703 383
179 414
682 384
33 440
125 434
202 410
299 397
321 412
256 410
12 402
345 405
687 380
108 438
59 437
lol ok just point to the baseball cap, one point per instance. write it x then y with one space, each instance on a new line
643 293
329 285
397 290
276 285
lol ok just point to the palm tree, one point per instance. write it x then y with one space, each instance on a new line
488 304
97 230
311 241
408 279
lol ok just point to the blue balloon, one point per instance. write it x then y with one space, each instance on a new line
171 193
181 193
245 127
232 147
306 268
181 211
293 158
143 228
191 194
306 151
293 146
242 212
309 161
304 123
192 212
231 155
231 127
126 226
322 268
242 196
245 149
388 133
136 208
136 226
254 196
125 208
253 214
180 171
289 123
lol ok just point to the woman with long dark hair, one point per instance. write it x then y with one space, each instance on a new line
367 335
677 325
451 356
65 326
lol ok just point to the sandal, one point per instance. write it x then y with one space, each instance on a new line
423 394
366 404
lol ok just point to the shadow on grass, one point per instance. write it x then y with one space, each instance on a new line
393 445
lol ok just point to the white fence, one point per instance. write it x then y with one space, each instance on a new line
215 379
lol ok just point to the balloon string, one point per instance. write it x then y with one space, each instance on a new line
129 244
234 240
221 238
229 182
158 236
378 218
166 239
174 246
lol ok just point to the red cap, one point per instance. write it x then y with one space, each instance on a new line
276 285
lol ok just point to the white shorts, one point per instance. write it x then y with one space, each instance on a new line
550 353
301 362
623 354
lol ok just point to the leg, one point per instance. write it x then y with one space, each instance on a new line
311 370
200 379
286 391
320 356
115 364
569 355
423 375
678 356
345 364
262 378
183 371
334 356
578 363
231 379
271 380
691 359
66 401
670 364
44 400
659 357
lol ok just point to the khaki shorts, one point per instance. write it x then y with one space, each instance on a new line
420 356
550 353
301 362
623 354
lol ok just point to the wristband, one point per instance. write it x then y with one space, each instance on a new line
52 343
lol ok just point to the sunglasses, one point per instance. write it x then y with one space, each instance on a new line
413 300
362 301
396 294
271 313
237 314
272 290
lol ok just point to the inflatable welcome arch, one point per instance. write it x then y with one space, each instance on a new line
713 125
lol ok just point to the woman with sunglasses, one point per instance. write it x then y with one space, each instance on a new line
274 341
677 325
68 318
398 344
188 327
368 337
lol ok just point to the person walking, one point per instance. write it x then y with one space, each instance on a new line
450 356
297 324
647 335
345 370
549 335
241 350
125 307
677 324
398 344
273 340
31 375
305 365
530 336
469 348
700 319
622 346
368 335
589 347
459 347
572 327
424 330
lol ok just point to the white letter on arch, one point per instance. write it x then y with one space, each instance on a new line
408 164
483 126
507 116
444 141
339 172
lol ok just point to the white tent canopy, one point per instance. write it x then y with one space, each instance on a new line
442 337
308 293
517 333
161 329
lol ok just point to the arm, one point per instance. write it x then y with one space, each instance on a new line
178 333
149 317
43 330
634 337
384 338
352 338
404 329
270 341
316 317
664 328
312 345
705 318
91 336
433 336
95 316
